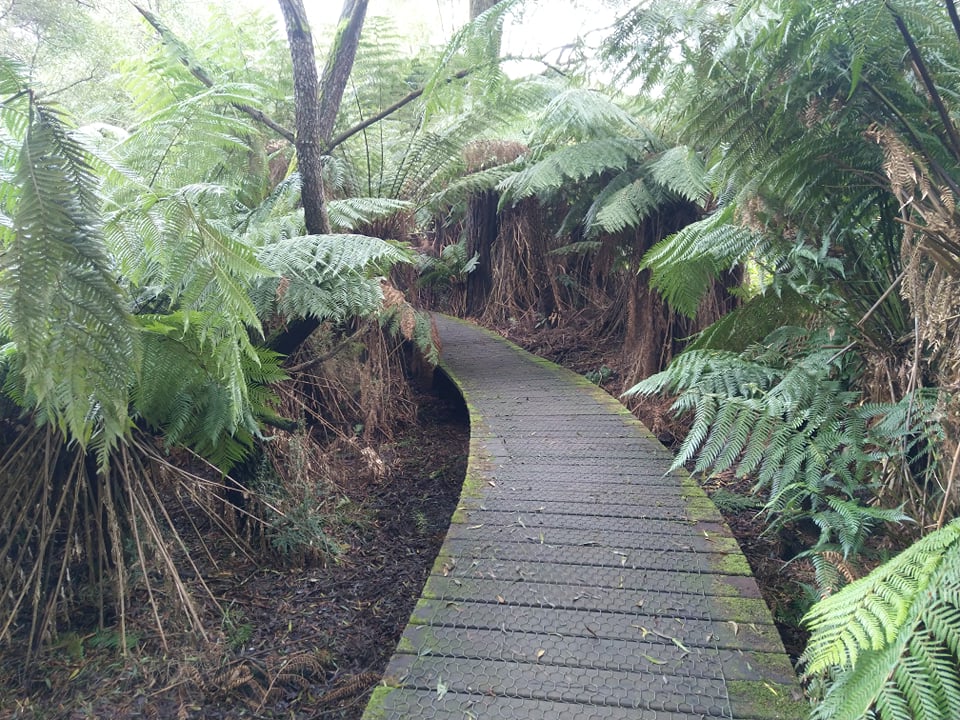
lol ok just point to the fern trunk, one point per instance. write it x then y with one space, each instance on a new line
482 228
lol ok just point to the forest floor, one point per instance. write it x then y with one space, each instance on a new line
310 642
295 642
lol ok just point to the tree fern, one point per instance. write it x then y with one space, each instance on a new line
328 277
617 208
65 313
791 423
683 264
190 395
451 266
572 164
890 640
579 115
756 319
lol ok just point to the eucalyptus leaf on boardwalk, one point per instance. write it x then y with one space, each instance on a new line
579 579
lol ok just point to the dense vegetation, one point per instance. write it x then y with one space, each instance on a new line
207 271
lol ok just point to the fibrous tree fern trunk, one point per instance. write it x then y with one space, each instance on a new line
482 228
653 332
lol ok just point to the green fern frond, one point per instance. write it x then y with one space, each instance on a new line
453 265
683 264
475 183
349 213
681 170
891 638
580 247
329 277
579 115
572 164
65 312
624 208
754 320
788 421
210 402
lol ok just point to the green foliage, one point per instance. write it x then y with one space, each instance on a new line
731 502
451 267
680 170
683 264
891 640
329 277
185 394
59 302
782 413
755 319
350 213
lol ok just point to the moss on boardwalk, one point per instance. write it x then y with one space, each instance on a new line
538 601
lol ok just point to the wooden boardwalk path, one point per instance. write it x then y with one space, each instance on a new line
578 580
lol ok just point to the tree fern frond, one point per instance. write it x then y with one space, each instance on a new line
66 314
470 184
571 164
625 208
329 277
349 213
891 637
683 264
755 320
681 170
580 115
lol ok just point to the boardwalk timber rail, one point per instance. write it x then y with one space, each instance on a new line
579 579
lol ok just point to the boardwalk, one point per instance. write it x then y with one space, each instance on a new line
578 581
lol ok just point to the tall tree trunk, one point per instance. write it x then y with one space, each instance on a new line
306 103
316 108
339 64
478 7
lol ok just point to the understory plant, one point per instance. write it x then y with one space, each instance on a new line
142 276
888 645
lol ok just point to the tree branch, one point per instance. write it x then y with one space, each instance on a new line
954 18
409 98
927 81
386 112
336 71
167 36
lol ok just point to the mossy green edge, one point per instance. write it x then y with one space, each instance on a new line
766 701
375 709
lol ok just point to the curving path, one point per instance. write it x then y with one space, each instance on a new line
578 580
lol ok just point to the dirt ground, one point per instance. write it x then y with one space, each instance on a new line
296 642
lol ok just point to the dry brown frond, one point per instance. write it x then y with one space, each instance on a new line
230 678
355 685
484 154
847 570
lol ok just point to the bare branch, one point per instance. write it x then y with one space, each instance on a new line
200 74
927 81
